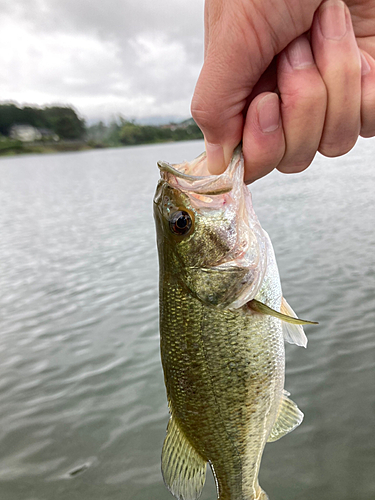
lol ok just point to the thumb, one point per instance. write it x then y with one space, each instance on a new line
237 53
219 114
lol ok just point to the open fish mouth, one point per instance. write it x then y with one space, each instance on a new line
225 197
194 177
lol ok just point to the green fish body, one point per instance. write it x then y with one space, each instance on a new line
223 359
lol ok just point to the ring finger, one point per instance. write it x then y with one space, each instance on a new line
338 60
303 105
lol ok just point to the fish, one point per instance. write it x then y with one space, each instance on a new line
223 322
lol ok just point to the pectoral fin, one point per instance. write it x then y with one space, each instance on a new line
288 418
261 308
293 334
184 470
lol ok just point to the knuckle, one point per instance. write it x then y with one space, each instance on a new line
295 165
350 70
368 130
368 115
309 96
200 114
203 112
335 148
345 67
260 158
319 92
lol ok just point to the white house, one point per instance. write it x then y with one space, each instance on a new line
25 133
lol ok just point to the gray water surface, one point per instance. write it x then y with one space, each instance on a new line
83 410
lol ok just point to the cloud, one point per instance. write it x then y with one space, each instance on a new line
136 58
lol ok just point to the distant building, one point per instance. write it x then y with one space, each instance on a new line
48 134
28 133
182 125
25 133
170 126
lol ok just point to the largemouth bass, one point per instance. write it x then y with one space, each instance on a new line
223 322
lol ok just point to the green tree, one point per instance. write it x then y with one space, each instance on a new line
62 120
9 115
65 122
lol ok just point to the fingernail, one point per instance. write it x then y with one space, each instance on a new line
299 53
215 158
269 113
365 67
332 19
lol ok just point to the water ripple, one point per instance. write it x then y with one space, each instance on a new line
83 408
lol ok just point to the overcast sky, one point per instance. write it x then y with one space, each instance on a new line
137 58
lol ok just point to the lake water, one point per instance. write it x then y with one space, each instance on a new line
83 409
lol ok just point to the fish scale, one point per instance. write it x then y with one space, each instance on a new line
228 375
221 333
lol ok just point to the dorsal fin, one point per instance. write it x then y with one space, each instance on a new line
184 470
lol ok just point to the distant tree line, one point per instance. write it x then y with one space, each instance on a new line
62 120
129 133
68 126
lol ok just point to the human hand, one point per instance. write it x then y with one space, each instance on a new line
324 103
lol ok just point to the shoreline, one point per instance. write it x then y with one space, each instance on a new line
21 148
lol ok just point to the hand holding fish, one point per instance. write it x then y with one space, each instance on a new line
289 78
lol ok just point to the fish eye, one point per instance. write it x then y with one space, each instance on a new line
180 222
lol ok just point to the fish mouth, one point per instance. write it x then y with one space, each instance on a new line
190 171
194 177
224 195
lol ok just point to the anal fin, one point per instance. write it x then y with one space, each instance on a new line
288 418
183 469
